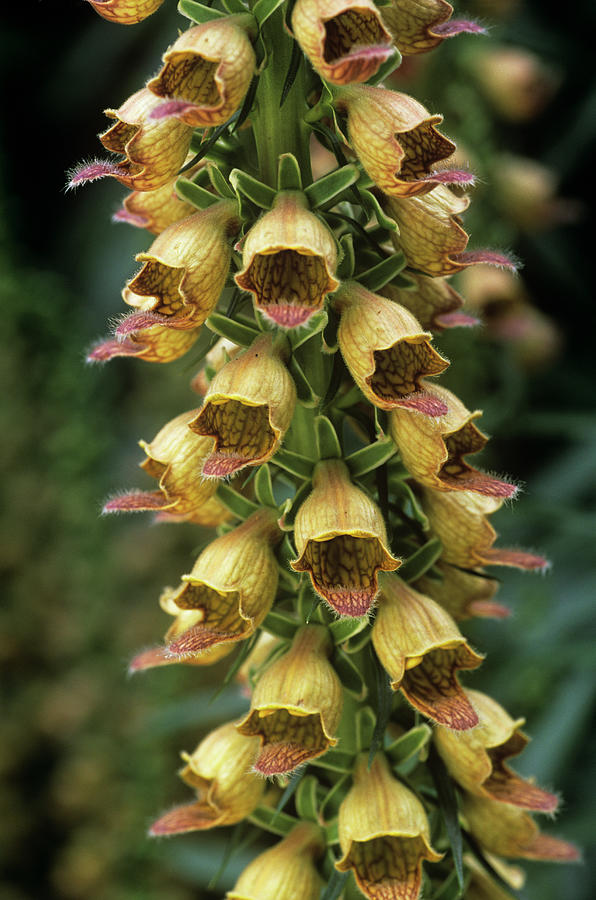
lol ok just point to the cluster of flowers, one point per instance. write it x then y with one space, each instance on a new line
372 478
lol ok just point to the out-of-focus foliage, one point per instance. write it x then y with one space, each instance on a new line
86 756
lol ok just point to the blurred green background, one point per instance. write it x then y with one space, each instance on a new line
87 757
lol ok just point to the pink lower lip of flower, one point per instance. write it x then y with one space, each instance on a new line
222 465
137 501
451 176
481 484
486 609
458 26
489 257
187 817
123 215
93 171
289 315
112 347
278 758
348 601
173 108
196 639
457 320
423 403
517 558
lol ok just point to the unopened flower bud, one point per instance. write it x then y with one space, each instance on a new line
219 771
345 41
421 648
286 871
419 25
125 12
516 82
247 409
386 350
296 705
433 301
341 541
289 258
383 833
476 759
206 72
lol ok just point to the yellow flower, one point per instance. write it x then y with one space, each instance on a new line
434 450
155 210
463 594
431 234
421 648
396 141
229 591
296 705
476 759
125 12
286 871
139 337
419 25
386 350
289 260
247 409
153 150
345 41
156 656
341 541
175 457
219 771
460 521
509 831
384 834
206 72
433 301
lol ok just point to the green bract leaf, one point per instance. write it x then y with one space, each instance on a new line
343 629
402 493
329 188
345 269
328 446
194 193
408 744
448 805
306 799
369 458
330 343
235 331
280 624
260 194
219 182
386 68
295 780
306 395
422 560
197 12
235 502
384 704
289 515
265 8
293 67
289 176
234 6
272 820
383 273
294 463
335 760
349 674
365 727
374 208
264 487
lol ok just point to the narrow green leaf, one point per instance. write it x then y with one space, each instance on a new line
219 182
232 329
402 493
410 743
343 629
194 193
294 463
264 487
330 343
349 674
235 502
280 624
306 799
293 67
265 8
335 760
290 790
234 6
347 264
421 561
289 176
404 282
335 885
369 458
331 802
198 12
246 648
272 820
386 68
204 146
378 276
449 809
305 393
328 446
247 103
365 727
374 208
384 704
261 194
329 188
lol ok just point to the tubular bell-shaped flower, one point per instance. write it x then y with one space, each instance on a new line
386 350
341 541
125 12
229 591
434 450
174 457
206 72
463 594
156 210
433 301
296 705
509 831
247 409
431 235
383 833
286 871
396 141
421 648
476 759
419 25
345 40
289 258
153 150
460 521
219 771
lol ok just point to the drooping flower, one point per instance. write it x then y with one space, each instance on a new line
289 259
509 831
285 872
477 758
396 141
247 409
341 541
153 150
139 337
155 210
431 235
125 12
207 72
383 833
421 648
419 25
174 457
219 771
460 521
433 301
463 594
296 705
386 350
434 450
345 40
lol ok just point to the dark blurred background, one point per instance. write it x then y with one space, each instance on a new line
88 757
